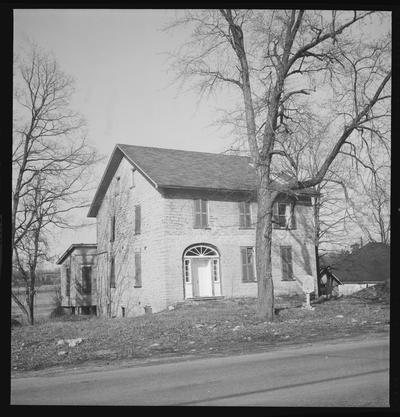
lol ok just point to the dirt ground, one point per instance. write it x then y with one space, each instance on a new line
198 328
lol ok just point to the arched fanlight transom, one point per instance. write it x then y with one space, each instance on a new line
201 250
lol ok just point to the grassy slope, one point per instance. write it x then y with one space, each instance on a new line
226 326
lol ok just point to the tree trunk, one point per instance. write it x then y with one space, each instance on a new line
31 306
265 302
316 240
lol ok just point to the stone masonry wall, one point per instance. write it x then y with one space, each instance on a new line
167 230
150 244
225 234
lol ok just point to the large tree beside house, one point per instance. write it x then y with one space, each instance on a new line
283 63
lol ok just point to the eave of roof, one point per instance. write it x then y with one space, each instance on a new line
62 258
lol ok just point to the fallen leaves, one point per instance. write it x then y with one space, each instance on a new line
224 326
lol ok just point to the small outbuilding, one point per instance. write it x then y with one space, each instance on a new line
78 278
364 267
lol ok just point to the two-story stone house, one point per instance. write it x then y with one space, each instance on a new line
175 225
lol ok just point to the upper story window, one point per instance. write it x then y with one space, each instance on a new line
138 220
245 214
283 216
200 214
86 279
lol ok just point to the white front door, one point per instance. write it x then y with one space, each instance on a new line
202 277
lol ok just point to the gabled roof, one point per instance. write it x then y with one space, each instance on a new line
172 168
370 263
72 248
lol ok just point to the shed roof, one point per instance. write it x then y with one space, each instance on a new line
72 248
172 168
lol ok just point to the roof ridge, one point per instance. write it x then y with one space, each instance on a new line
183 150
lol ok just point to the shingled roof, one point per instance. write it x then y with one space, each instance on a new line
370 263
172 168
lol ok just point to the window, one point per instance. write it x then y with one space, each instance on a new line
68 282
284 216
215 270
123 311
138 220
188 271
133 177
112 229
200 214
112 272
138 270
248 269
244 214
286 261
117 186
86 279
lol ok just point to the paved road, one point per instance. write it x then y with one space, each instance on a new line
351 373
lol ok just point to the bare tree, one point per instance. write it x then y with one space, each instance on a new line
51 164
276 60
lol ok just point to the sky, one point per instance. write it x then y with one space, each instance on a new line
123 85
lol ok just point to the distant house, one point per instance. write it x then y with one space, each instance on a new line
175 225
78 278
365 266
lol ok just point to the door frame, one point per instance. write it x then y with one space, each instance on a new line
200 251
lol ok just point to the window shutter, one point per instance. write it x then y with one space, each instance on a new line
112 272
293 216
112 229
138 270
243 252
275 217
242 220
204 213
286 259
250 264
247 214
197 213
289 263
138 220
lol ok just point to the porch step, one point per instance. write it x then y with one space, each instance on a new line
220 297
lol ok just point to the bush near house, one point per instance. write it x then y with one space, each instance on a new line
192 328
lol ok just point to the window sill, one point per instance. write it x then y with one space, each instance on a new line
137 286
249 282
202 228
247 228
288 280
